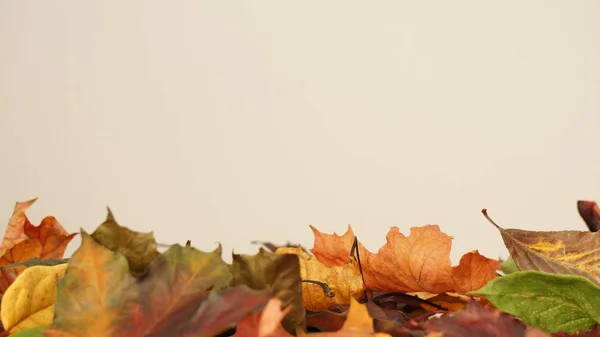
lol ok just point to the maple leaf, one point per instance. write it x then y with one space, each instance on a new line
181 294
417 263
28 302
140 249
343 283
14 232
562 252
332 249
473 272
590 213
476 320
23 241
280 273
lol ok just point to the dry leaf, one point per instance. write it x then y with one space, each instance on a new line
140 249
590 213
473 272
29 301
563 252
358 323
345 281
280 273
14 232
264 324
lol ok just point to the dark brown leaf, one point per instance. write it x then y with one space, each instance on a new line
590 213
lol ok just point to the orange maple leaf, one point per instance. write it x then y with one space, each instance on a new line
417 263
14 232
473 272
24 241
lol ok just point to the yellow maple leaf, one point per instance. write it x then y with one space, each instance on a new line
29 301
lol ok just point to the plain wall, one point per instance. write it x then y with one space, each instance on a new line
221 121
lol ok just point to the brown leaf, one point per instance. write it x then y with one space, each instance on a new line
476 320
357 323
140 249
564 252
279 273
594 332
589 211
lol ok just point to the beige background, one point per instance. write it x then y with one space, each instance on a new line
233 121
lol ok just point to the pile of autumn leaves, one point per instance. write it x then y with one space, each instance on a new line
118 284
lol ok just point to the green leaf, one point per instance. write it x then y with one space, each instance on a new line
550 302
33 332
36 261
508 266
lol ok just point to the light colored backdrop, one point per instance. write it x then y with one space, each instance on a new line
235 121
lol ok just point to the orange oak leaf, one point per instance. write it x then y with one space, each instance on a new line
473 272
266 323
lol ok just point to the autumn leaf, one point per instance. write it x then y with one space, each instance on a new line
264 324
476 320
448 300
550 302
358 323
594 332
96 286
590 213
47 241
15 231
140 249
343 282
326 320
28 302
419 262
33 332
332 249
473 272
564 252
35 261
181 294
278 272
24 241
